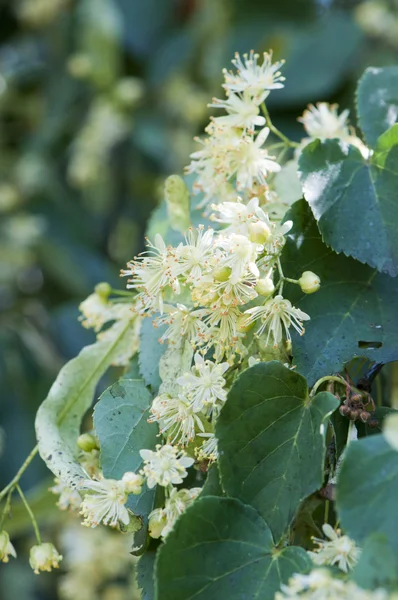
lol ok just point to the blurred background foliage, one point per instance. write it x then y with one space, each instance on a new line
99 102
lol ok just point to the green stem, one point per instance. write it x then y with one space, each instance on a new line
13 483
327 378
6 509
290 280
326 515
30 513
276 131
123 293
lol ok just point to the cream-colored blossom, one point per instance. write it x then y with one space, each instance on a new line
253 78
338 549
6 548
104 503
161 520
166 466
44 557
205 384
277 315
69 498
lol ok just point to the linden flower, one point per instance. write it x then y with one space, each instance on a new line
69 498
205 384
44 557
340 549
236 215
6 548
251 163
152 272
176 418
241 255
323 121
161 520
252 77
166 466
242 111
196 254
320 584
106 504
182 322
277 315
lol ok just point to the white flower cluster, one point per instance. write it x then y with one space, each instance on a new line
321 585
233 153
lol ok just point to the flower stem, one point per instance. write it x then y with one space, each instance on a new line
276 131
6 508
327 378
14 482
30 513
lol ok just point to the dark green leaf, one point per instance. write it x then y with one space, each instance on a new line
353 313
354 199
212 486
271 441
380 414
340 426
145 573
221 548
377 101
367 490
377 566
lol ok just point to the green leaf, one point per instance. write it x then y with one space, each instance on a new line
145 574
377 101
121 423
59 417
212 486
380 414
221 548
377 566
367 490
271 441
354 199
151 350
353 313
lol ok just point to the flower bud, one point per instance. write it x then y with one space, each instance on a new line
6 548
222 274
156 523
243 326
87 442
133 482
345 410
79 66
265 286
259 233
44 557
128 91
103 290
177 200
309 282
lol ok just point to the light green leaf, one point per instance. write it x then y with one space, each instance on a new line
221 548
59 417
377 101
271 441
353 313
121 423
151 350
367 490
354 199
175 362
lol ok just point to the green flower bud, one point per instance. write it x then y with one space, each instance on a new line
259 233
128 91
79 66
177 200
243 326
265 286
309 282
87 442
103 290
44 557
222 273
